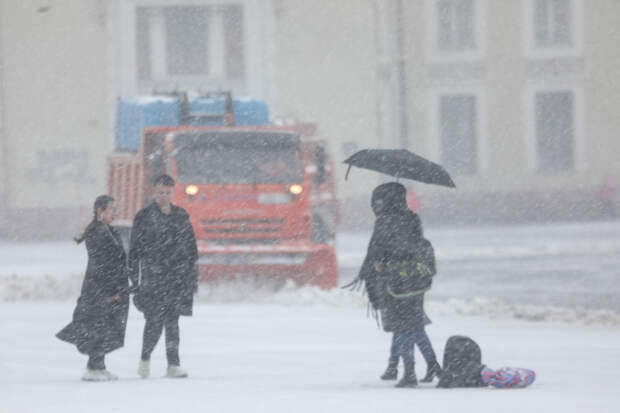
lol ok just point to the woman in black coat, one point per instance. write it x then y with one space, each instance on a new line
100 317
397 272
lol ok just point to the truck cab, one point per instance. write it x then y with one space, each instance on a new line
261 198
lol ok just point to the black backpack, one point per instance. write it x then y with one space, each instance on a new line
462 363
414 275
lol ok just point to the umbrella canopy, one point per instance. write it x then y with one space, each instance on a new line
400 163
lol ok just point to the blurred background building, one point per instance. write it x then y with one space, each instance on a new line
516 98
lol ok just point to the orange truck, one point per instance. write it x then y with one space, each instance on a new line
261 196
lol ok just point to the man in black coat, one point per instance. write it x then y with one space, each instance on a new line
162 261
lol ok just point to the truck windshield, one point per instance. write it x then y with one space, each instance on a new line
238 158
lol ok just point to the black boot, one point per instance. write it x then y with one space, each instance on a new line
432 370
409 379
391 373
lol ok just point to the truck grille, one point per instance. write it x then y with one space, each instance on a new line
253 259
242 225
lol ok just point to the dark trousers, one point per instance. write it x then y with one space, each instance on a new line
96 361
152 332
403 344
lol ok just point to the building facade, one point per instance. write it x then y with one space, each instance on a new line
516 98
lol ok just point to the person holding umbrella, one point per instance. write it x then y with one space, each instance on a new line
400 262
100 317
397 272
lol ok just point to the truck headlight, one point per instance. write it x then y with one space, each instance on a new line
296 189
191 190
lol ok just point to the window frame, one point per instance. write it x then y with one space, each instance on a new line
531 160
479 33
257 16
215 63
479 92
532 50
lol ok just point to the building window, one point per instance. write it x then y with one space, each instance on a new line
553 23
456 29
555 131
457 133
455 25
187 40
178 43
553 28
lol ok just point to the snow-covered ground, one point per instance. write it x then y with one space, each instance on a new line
283 358
543 297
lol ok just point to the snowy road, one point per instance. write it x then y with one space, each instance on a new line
568 265
573 267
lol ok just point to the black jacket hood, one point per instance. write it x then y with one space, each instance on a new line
389 198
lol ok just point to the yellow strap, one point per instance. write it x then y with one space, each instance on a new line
407 295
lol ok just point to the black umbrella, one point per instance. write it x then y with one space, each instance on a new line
400 163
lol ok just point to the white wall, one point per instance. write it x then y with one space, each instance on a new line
56 125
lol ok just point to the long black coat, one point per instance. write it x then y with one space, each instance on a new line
396 235
99 321
163 253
